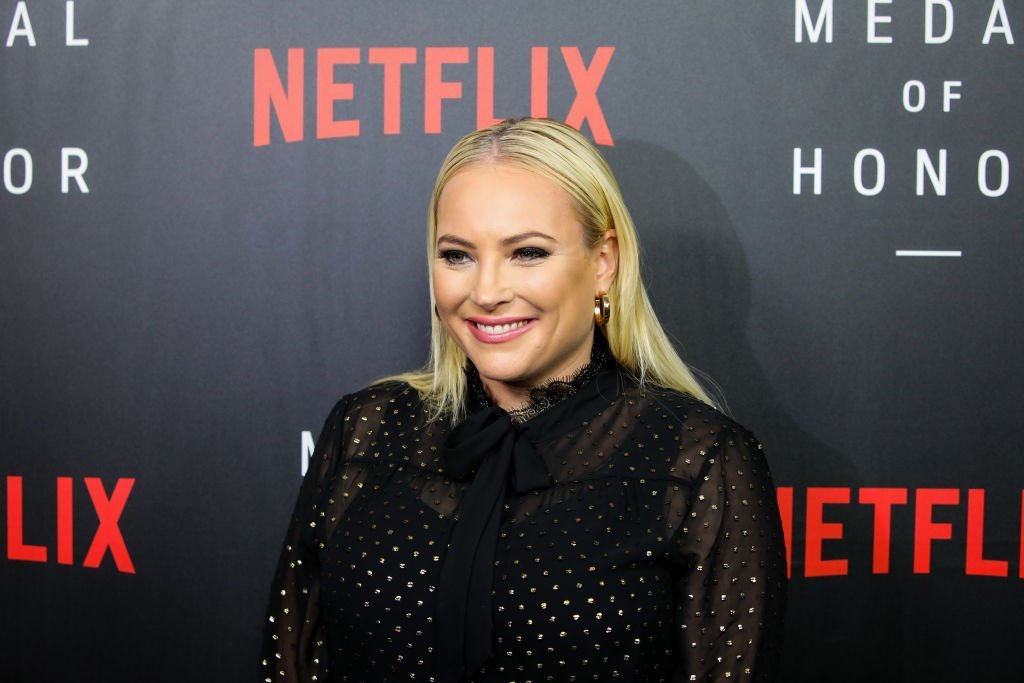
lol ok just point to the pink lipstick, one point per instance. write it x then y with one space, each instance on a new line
497 330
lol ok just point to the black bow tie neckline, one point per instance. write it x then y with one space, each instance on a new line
504 457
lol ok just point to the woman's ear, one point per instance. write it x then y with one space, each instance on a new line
606 262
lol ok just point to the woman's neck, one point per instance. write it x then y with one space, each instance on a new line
512 396
525 402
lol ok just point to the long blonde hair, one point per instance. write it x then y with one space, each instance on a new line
560 153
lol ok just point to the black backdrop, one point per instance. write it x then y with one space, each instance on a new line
199 255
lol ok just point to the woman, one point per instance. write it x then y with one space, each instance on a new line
553 497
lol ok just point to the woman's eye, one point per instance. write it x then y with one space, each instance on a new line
454 257
531 253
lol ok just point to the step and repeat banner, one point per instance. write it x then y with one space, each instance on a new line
213 221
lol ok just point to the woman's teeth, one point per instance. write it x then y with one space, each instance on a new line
498 329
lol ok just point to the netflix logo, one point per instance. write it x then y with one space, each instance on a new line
280 87
104 525
928 516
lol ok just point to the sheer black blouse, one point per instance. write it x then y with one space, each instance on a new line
650 549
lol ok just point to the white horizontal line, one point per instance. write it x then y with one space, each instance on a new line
922 252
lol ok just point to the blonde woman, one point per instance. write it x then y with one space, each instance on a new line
553 497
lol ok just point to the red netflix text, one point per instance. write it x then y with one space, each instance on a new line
106 538
821 507
282 89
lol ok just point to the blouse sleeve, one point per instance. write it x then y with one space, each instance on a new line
294 638
731 590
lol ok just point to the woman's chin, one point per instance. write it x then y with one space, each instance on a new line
510 377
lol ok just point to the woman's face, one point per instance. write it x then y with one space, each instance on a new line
513 280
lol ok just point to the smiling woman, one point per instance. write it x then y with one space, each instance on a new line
514 280
553 497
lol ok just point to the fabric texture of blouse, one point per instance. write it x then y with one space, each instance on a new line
616 534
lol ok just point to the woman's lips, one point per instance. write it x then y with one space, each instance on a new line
497 331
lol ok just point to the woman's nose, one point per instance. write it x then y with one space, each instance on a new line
491 288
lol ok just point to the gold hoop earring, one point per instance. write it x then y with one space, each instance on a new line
602 310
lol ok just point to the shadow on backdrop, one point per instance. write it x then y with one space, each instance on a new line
699 282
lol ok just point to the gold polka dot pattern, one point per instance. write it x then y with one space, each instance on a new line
655 555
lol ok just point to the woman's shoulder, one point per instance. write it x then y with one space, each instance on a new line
696 438
379 397
359 419
700 421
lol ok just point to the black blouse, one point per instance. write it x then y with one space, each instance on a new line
643 545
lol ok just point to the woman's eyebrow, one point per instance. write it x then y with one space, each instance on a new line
512 239
455 240
523 236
